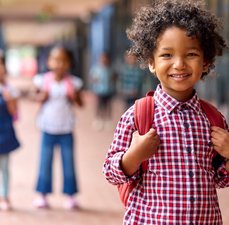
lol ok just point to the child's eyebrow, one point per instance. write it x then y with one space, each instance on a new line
166 48
189 48
194 48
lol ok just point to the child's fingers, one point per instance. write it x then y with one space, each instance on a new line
152 132
217 129
220 135
214 134
135 132
219 141
215 141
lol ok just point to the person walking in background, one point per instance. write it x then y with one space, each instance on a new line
102 80
178 41
8 139
58 91
130 80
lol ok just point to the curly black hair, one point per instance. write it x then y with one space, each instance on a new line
151 21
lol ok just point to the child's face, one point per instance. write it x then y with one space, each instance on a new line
131 60
178 62
59 62
104 60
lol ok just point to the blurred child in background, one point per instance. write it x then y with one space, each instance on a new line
102 79
130 80
58 91
8 139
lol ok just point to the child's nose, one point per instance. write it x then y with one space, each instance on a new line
179 63
60 63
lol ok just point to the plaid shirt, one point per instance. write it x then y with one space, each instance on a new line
179 187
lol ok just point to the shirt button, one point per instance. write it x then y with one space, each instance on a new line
186 125
192 199
189 149
191 174
191 223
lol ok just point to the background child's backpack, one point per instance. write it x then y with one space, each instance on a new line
73 95
143 119
49 79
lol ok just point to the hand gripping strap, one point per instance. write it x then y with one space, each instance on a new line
143 118
215 118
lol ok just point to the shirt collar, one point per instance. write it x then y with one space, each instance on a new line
170 104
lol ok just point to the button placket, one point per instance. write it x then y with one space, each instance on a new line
189 157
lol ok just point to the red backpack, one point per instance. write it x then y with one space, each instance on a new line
143 119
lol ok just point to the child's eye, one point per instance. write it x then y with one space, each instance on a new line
192 54
166 55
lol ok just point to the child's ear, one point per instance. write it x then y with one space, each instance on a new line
205 67
152 67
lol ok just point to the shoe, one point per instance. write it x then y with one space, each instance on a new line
41 203
71 204
5 205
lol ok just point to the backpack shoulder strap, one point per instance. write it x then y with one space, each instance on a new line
212 113
215 118
47 80
143 114
143 117
70 87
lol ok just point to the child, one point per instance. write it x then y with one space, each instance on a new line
8 139
178 40
102 80
131 79
58 92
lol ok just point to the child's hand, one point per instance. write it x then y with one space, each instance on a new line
220 140
142 147
6 95
41 96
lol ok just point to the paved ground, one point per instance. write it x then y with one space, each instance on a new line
99 200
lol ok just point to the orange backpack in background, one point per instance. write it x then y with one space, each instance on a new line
143 119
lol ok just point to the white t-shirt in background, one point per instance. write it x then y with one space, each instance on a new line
56 115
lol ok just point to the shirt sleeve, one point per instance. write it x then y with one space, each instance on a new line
121 142
222 175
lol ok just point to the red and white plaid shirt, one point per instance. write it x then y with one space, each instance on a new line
179 187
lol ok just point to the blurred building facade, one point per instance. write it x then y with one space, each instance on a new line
104 29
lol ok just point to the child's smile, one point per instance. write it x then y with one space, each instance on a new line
180 77
178 62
